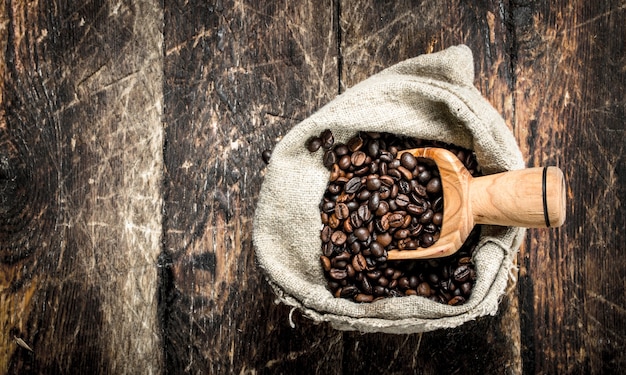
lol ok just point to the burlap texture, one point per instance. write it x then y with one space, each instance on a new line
430 97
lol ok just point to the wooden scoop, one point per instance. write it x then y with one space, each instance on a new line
532 198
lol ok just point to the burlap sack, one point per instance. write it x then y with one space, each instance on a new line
429 97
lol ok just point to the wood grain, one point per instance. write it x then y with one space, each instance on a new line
80 146
374 36
570 112
130 143
238 76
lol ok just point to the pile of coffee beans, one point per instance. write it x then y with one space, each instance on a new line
375 202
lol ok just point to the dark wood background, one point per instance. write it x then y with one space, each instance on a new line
130 142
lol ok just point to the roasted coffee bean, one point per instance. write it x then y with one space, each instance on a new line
457 300
364 213
373 148
402 200
358 158
437 219
359 263
433 186
466 288
462 274
373 183
330 158
325 234
338 238
266 155
338 274
325 263
387 180
406 174
404 187
353 185
342 211
408 161
396 220
427 217
362 234
383 208
341 150
364 195
377 249
362 297
349 291
380 290
401 234
384 239
333 221
427 239
366 285
424 177
438 204
355 143
423 289
375 202
344 162
327 139
314 144
415 210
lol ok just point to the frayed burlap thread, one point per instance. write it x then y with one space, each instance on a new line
430 97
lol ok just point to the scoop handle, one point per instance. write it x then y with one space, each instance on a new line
531 198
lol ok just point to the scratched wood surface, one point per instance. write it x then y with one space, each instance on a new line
130 142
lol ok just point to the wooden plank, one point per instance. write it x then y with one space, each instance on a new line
238 76
80 171
375 35
570 111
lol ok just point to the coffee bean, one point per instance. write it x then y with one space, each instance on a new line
342 211
462 274
396 220
362 234
406 174
338 238
457 300
266 155
314 144
364 213
377 249
325 263
358 158
344 162
327 139
330 158
373 183
427 217
383 208
349 291
427 239
434 186
438 218
359 263
353 185
423 289
325 234
402 200
375 202
424 177
338 274
373 148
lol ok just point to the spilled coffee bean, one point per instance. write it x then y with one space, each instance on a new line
375 202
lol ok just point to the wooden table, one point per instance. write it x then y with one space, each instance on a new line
130 142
